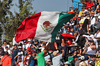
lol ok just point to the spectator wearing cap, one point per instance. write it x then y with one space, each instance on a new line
82 63
32 60
14 53
97 37
91 63
82 18
19 52
40 55
97 24
28 44
93 8
67 63
57 58
7 50
98 11
20 59
97 61
4 45
24 45
6 60
59 41
89 4
89 9
92 58
80 13
94 20
91 50
36 44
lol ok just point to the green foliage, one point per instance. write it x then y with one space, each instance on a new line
5 14
25 7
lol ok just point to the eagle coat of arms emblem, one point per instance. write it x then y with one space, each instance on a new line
46 26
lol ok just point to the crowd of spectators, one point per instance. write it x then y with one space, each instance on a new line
82 51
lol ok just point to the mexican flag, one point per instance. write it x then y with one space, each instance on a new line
42 26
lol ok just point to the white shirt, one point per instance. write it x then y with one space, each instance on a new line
5 48
90 51
56 60
28 45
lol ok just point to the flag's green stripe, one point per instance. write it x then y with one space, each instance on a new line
63 19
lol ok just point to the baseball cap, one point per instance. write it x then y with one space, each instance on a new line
91 63
19 47
96 15
81 57
67 62
29 40
15 44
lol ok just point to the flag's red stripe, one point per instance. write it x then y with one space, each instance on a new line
28 28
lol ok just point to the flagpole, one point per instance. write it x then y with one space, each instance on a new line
47 43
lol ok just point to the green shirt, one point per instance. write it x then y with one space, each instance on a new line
40 59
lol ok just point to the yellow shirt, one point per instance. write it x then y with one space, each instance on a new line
80 13
97 63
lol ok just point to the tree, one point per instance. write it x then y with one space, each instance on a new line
5 14
25 7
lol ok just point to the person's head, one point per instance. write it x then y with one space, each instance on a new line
15 46
5 43
75 58
67 63
83 8
92 13
38 50
91 63
89 1
89 8
92 57
75 33
71 29
55 53
98 10
19 47
91 42
97 58
82 16
6 47
88 15
36 42
29 41
33 53
96 16
93 6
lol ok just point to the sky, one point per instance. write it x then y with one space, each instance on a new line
46 5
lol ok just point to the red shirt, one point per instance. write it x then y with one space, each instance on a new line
88 4
6 61
76 18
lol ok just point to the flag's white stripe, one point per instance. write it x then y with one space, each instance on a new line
52 17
